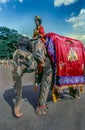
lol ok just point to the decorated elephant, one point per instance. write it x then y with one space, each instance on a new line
58 64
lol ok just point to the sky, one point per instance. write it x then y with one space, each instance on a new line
64 17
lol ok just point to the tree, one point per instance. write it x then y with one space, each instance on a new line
8 42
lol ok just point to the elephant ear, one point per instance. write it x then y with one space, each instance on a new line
38 50
25 44
33 42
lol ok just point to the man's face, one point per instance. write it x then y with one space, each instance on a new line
37 22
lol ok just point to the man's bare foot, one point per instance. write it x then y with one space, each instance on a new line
43 64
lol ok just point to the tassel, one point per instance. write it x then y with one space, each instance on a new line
82 89
54 96
35 87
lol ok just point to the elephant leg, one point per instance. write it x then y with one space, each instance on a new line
18 91
38 76
77 96
74 92
45 87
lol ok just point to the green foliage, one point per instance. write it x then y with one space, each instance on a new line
8 42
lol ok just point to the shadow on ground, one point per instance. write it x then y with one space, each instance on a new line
28 95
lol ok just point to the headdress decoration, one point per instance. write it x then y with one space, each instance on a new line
38 18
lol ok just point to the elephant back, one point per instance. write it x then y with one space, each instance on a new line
68 59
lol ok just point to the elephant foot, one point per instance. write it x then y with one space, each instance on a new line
41 110
17 112
58 96
75 93
77 97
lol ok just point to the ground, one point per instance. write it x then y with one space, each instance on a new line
67 114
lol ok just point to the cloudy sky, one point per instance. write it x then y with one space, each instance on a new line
64 17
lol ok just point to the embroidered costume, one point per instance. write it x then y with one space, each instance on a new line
39 30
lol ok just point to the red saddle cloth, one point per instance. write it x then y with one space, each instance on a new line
69 54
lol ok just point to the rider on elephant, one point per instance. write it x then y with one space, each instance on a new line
38 32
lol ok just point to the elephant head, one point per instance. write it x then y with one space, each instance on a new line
34 46
29 53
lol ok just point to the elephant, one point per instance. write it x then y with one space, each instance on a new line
34 56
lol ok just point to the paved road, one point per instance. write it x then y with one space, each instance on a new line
68 114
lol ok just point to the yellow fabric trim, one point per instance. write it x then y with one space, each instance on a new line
35 87
81 86
36 32
53 95
82 89
68 86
